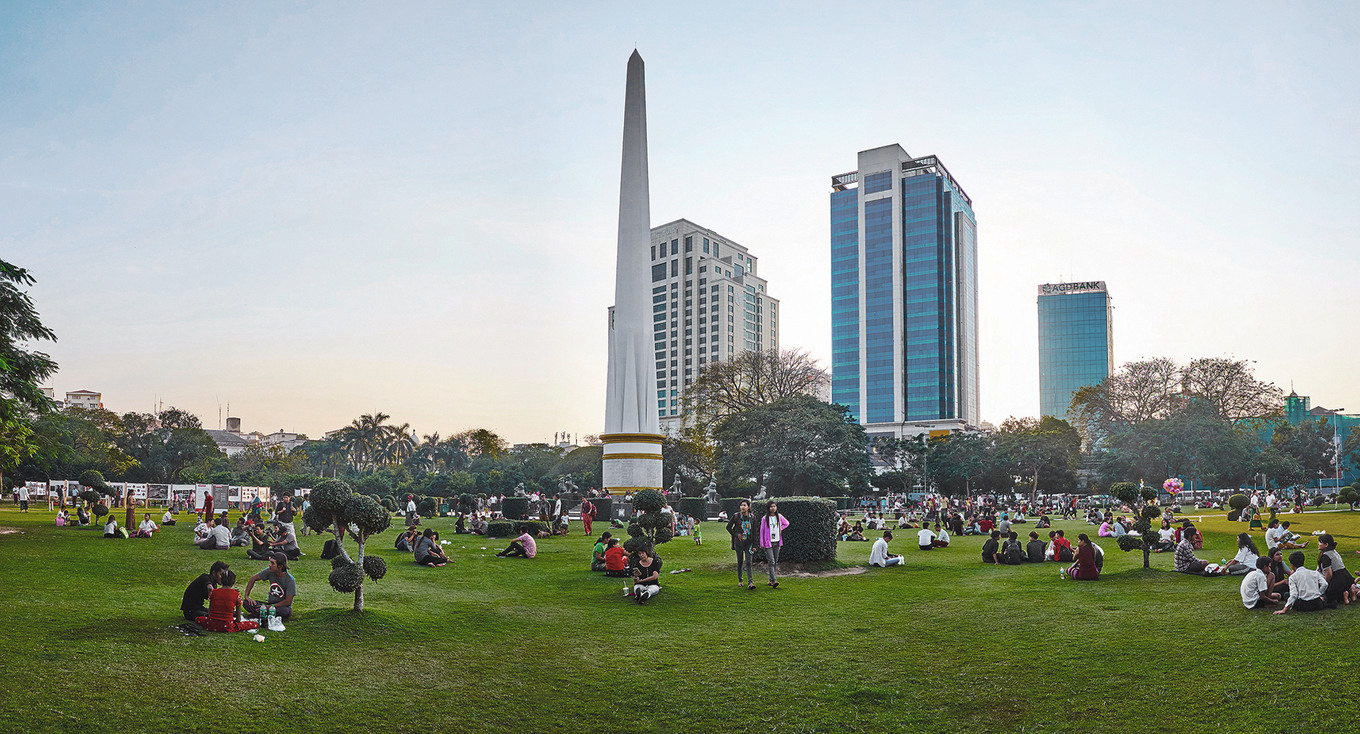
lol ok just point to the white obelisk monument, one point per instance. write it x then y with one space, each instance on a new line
632 435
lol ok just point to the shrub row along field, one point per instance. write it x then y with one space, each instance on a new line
544 645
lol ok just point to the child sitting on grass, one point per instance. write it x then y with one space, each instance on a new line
224 608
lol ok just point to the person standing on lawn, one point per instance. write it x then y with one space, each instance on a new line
772 527
587 514
742 528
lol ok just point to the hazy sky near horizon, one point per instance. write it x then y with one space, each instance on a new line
316 210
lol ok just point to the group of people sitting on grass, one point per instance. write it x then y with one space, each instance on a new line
1299 588
424 546
212 601
645 569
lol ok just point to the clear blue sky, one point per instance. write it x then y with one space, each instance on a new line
317 210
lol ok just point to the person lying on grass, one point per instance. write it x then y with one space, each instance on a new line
224 608
1307 588
1255 589
427 550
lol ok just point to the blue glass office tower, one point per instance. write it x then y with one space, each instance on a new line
1076 342
903 295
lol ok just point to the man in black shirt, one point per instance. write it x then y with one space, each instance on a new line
195 603
990 547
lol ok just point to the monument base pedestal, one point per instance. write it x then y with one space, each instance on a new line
632 461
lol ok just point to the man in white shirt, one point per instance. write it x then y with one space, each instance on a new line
218 538
23 497
879 555
147 527
410 510
925 538
1256 593
941 537
1306 587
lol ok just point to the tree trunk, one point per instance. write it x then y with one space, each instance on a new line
1147 551
359 592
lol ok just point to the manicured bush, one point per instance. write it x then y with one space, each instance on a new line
515 508
842 503
1126 492
650 528
695 507
604 508
94 480
811 535
732 505
500 528
466 502
1349 495
1130 542
389 504
347 578
100 509
89 496
375 567
532 527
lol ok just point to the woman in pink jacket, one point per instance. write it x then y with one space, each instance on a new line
772 538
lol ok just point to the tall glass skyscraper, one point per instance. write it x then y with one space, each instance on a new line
904 337
1076 342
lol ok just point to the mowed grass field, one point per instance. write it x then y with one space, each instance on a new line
943 644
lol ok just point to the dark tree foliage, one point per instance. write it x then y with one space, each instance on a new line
22 372
800 444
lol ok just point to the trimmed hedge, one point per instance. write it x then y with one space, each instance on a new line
695 507
842 503
732 505
499 528
532 527
604 506
811 534
515 508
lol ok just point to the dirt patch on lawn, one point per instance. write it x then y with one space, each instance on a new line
10 531
796 570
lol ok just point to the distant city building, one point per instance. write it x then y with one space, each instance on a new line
49 393
708 305
227 442
904 317
87 399
1076 342
1297 409
287 440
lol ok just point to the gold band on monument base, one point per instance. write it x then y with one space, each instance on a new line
655 457
655 438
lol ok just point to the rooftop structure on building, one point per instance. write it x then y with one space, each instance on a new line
708 305
904 281
88 399
1076 342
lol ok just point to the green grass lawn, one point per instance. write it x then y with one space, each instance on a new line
943 644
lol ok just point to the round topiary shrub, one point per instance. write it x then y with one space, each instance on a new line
1150 513
648 500
339 561
1126 492
695 507
375 567
1130 542
1237 503
811 535
89 496
389 504
499 528
346 578
427 507
100 509
515 508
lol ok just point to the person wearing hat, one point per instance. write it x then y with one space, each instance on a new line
411 518
282 589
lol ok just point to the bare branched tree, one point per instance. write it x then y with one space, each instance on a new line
748 380
1230 388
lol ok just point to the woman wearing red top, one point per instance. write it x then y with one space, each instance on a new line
615 560
224 608
1085 567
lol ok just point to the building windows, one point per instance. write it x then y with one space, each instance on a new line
689 244
675 247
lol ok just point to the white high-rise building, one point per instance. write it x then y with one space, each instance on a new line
708 304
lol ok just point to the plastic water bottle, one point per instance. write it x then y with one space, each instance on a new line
1062 574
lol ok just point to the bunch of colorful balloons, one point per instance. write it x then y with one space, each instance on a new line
1173 485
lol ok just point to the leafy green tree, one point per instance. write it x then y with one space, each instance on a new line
1350 495
804 446
335 507
1047 446
482 442
690 458
164 444
1309 444
21 370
